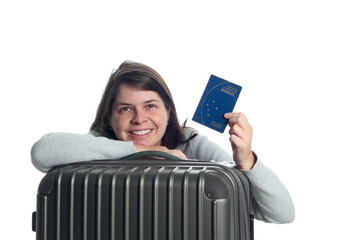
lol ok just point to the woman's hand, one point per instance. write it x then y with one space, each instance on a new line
240 138
175 152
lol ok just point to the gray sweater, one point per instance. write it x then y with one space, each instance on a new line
272 202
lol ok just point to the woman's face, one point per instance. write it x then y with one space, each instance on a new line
139 116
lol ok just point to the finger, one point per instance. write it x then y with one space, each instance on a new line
181 155
238 131
228 115
234 118
243 123
178 153
240 143
245 135
236 142
231 116
243 119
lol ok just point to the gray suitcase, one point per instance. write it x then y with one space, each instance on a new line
147 198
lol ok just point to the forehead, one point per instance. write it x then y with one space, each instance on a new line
132 94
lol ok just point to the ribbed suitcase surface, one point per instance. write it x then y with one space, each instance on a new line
143 199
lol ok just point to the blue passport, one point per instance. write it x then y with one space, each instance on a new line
219 97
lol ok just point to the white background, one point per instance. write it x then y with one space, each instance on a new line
298 63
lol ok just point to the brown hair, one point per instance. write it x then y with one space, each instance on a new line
143 77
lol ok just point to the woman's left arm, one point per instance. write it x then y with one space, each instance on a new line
272 201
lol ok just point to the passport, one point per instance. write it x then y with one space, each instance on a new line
219 97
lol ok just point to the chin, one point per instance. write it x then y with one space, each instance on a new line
142 143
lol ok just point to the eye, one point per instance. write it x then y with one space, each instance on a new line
150 106
124 109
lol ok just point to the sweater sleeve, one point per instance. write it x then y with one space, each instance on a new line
63 148
271 203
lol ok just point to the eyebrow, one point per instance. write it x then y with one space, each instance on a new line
129 104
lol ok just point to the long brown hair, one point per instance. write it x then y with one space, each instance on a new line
142 77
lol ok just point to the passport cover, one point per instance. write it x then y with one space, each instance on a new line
219 97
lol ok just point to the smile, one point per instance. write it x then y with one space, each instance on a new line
140 132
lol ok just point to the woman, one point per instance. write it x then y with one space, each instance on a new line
137 113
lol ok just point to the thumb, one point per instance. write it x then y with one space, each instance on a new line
227 115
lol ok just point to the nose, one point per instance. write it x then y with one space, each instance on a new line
139 117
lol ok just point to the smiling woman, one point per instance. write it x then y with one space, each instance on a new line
130 88
137 113
139 116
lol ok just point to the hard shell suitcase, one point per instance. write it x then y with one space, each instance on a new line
143 199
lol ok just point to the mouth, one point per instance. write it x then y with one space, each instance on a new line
140 132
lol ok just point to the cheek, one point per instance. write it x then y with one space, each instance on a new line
163 121
117 125
113 123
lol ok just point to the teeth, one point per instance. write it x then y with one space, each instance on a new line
140 132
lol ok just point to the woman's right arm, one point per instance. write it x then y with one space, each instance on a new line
63 148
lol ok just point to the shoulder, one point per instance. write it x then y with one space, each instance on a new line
95 133
193 137
189 132
200 147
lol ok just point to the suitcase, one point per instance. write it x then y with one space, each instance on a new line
140 197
